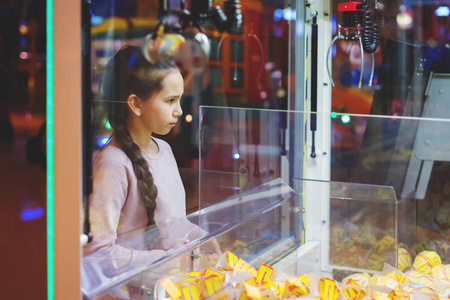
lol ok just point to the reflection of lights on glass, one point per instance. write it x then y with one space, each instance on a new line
281 93
24 55
95 20
28 117
106 124
269 66
404 21
345 118
404 18
277 14
102 141
101 61
31 214
23 28
333 115
188 118
236 156
263 95
360 129
289 14
442 11
277 74
23 41
333 24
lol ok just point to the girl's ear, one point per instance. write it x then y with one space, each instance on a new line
134 103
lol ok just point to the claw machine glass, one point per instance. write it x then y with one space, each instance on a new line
248 172
230 53
252 222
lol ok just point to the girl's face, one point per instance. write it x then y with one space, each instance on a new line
160 113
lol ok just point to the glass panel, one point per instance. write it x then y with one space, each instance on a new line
212 80
384 196
411 42
216 53
328 228
216 75
237 50
207 81
236 78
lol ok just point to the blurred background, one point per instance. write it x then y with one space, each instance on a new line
22 149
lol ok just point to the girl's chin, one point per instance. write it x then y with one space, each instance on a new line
163 132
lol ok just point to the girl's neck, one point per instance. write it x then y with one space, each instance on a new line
143 138
146 143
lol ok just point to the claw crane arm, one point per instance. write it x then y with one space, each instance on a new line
175 16
357 26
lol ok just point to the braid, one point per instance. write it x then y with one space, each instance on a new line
145 183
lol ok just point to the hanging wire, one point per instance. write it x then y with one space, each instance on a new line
328 59
373 68
362 62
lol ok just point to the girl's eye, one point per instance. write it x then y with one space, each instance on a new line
171 100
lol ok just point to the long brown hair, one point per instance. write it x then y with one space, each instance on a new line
128 72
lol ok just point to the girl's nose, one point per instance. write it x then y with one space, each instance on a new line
178 111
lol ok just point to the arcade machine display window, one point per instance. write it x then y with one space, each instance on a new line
406 151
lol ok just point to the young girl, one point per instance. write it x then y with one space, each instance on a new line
136 178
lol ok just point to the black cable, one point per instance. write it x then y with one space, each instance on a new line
370 36
314 49
231 19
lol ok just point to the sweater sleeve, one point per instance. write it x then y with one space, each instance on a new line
110 184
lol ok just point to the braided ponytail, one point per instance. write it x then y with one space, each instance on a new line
145 182
125 74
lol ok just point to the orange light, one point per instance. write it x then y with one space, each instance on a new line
188 118
23 29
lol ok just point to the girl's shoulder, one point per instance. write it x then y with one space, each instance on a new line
163 145
111 154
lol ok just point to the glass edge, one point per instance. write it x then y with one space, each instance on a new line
205 108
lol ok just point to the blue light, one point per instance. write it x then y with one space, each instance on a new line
95 20
333 24
442 11
32 213
23 42
102 141
277 14
289 14
237 156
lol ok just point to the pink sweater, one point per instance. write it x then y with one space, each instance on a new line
121 248
117 213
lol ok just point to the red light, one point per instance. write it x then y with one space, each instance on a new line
349 6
